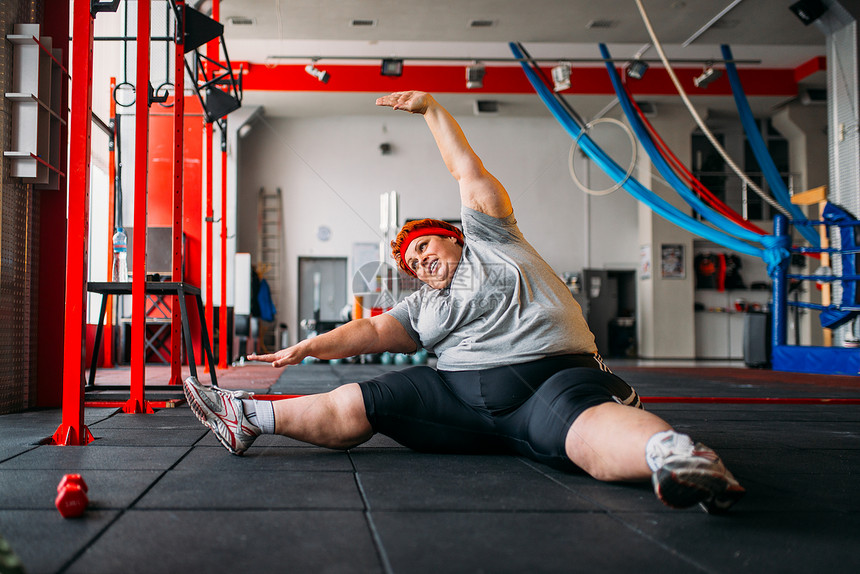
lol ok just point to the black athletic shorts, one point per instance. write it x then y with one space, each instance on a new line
526 408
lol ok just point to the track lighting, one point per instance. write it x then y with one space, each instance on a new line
706 77
561 77
475 76
392 67
320 75
636 69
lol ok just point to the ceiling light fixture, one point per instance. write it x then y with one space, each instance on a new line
392 67
707 76
636 69
561 77
320 75
475 76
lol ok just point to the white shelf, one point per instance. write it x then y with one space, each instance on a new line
22 39
36 97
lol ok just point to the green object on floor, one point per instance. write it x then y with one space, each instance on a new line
9 561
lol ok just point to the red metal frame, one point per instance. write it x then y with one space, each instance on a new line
222 314
178 191
212 49
53 210
137 402
107 350
72 430
210 316
168 404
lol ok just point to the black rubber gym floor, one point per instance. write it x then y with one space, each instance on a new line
166 497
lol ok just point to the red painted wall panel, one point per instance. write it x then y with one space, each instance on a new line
503 80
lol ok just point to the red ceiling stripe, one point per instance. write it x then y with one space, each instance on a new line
503 80
809 67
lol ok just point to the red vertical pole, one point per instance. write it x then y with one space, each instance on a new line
72 430
137 402
178 190
107 350
222 315
212 49
209 220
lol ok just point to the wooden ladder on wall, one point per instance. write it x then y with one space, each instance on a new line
270 241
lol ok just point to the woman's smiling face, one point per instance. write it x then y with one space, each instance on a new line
434 259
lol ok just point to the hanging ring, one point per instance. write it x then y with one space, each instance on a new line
116 89
575 145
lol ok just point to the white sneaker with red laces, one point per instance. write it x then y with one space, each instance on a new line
223 412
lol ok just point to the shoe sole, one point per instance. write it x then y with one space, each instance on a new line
720 504
204 416
682 490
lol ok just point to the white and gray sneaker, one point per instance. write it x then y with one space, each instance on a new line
223 412
685 474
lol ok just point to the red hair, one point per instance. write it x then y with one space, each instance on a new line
418 228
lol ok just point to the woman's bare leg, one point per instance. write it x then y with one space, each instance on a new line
336 419
608 441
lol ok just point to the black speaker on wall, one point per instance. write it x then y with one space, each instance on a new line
808 10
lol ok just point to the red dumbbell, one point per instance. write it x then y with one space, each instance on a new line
71 498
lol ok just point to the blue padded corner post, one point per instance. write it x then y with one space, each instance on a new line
779 327
835 215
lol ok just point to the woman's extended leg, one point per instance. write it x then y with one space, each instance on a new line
336 419
615 442
608 441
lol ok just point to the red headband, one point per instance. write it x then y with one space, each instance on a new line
420 232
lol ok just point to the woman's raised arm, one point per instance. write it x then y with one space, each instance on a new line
479 189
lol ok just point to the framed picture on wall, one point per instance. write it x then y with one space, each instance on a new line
672 261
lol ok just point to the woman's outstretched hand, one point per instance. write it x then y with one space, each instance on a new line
283 358
412 101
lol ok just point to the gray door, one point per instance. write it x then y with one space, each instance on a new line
322 289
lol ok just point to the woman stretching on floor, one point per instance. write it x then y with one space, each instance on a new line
517 371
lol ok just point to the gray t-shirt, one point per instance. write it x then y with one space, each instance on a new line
505 305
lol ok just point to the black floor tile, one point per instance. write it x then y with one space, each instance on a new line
610 496
233 541
45 541
107 489
217 459
373 460
93 457
206 489
148 437
453 542
166 419
23 431
747 540
513 491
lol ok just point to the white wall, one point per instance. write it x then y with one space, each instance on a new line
331 173
666 320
